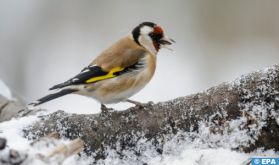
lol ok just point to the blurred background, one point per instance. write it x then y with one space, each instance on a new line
45 42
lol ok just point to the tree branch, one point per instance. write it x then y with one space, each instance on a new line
241 115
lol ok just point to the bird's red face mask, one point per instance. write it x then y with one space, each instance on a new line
160 40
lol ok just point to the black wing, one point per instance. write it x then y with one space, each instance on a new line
93 74
82 77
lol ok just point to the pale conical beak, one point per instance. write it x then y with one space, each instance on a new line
165 42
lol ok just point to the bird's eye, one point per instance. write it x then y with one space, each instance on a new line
152 35
155 36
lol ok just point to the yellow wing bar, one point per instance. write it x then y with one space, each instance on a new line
109 75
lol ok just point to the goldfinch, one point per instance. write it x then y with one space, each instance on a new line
120 71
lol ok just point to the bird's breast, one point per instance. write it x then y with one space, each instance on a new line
126 85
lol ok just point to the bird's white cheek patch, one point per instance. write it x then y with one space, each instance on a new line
146 42
146 30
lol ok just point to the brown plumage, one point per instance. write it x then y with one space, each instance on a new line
123 53
122 87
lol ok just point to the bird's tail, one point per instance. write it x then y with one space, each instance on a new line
52 96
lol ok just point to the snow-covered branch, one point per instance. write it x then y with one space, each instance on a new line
241 115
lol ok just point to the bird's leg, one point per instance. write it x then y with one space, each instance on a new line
138 104
104 109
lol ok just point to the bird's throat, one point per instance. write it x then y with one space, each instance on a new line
156 45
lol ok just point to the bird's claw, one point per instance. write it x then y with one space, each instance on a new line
140 105
105 109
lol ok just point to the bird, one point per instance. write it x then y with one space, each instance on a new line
120 71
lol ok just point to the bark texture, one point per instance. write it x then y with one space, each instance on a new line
242 115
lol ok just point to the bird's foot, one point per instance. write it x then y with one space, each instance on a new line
105 109
136 103
139 104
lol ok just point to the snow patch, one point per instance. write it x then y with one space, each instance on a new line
182 150
12 131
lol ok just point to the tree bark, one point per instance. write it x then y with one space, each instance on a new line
242 115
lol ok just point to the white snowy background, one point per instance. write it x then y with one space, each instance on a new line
43 43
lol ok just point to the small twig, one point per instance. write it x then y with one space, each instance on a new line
246 162
64 151
52 135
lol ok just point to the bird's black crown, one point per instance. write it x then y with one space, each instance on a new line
136 30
